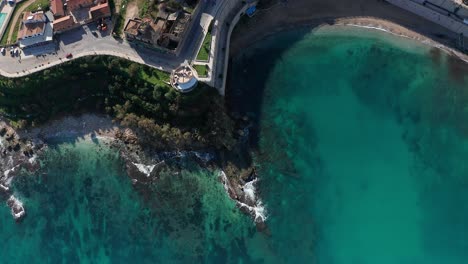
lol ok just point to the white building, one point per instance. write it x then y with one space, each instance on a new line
35 30
183 79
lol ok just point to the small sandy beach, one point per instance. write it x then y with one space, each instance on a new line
76 126
365 13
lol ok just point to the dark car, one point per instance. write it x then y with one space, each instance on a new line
69 56
94 33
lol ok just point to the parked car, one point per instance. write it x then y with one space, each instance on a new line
69 56
2 51
94 33
17 51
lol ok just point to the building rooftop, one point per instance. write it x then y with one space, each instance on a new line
31 29
100 10
32 24
184 79
146 29
132 26
47 35
34 17
63 23
56 6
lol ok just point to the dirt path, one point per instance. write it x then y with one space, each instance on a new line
132 10
314 13
14 19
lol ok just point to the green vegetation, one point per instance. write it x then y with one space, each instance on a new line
38 5
204 52
144 6
120 19
202 70
14 35
134 94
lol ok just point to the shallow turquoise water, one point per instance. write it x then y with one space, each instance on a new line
361 147
81 207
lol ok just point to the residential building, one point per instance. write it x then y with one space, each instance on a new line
35 30
56 7
69 14
73 5
101 10
63 24
164 33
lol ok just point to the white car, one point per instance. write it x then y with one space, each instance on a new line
17 51
2 51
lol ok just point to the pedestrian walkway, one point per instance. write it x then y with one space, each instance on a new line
424 11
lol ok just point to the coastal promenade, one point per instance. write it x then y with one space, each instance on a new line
442 18
225 19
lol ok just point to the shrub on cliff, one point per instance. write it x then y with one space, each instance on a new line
134 94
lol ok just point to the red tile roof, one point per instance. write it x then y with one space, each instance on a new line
99 11
56 6
63 23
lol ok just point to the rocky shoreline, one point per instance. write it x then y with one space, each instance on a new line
20 149
16 154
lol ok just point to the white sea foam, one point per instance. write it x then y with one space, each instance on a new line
32 160
258 211
16 205
145 169
7 172
249 190
203 156
3 187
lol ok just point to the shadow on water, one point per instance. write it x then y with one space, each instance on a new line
458 70
246 88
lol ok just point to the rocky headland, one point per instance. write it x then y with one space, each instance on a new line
20 149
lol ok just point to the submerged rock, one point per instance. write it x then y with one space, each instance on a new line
17 209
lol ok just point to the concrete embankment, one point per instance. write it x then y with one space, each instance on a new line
434 13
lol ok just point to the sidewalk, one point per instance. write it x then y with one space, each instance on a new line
429 14
8 10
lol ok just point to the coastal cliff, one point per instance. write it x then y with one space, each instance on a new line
142 117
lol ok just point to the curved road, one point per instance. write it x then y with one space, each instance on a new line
80 42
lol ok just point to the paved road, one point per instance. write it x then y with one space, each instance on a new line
81 42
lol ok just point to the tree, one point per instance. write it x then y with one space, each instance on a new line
133 69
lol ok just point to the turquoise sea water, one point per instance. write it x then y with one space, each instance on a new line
361 147
82 208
